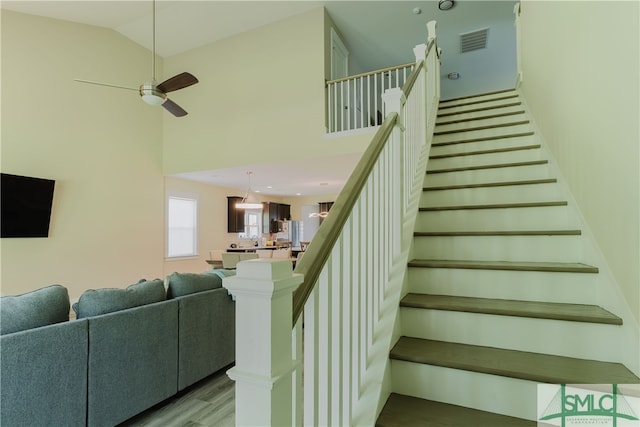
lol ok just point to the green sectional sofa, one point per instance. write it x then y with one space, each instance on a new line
128 349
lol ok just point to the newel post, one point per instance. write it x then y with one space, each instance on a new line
263 290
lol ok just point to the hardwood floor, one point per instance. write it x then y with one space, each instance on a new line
210 402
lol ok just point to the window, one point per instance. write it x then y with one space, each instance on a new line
182 226
252 224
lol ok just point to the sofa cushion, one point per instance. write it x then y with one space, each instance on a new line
95 302
181 284
41 307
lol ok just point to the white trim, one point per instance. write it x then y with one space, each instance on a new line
337 43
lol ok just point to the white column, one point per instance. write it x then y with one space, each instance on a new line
431 30
420 52
394 99
263 291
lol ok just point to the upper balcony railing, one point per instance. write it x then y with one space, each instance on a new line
355 102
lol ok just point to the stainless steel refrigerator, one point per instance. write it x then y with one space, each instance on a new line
292 231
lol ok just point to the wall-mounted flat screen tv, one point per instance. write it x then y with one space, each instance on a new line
25 206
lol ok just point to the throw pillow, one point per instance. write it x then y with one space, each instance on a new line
95 302
181 284
41 307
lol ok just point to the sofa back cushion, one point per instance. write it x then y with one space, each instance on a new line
95 302
41 307
181 284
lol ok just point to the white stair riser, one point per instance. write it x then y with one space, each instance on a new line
520 173
491 195
538 218
481 97
483 105
491 393
528 155
576 288
485 133
492 144
461 117
561 338
500 248
494 121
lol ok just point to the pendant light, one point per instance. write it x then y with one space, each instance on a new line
248 201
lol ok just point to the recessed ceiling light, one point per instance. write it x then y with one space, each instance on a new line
445 4
298 194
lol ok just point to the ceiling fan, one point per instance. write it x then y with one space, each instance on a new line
152 92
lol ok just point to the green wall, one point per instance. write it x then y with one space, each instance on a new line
103 147
581 80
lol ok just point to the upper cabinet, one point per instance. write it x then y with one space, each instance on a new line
235 217
272 213
284 211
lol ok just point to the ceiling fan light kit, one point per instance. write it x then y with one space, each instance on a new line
153 93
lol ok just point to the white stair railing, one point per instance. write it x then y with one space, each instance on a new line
352 275
355 102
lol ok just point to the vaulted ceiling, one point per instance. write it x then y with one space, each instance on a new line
377 33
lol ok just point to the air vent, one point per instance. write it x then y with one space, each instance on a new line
474 40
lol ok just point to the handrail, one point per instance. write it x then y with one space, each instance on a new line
316 255
370 73
311 264
347 287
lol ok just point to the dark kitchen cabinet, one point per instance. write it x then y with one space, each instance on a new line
235 216
272 213
284 211
270 217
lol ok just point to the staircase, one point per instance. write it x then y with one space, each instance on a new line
499 299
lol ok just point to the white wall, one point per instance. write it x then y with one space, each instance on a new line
260 100
581 80
485 70
103 147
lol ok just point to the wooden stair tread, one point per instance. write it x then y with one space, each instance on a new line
485 117
494 206
552 267
491 184
480 139
408 411
492 151
485 108
535 309
524 365
491 166
498 233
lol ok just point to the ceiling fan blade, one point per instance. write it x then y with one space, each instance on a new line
174 108
176 82
105 84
